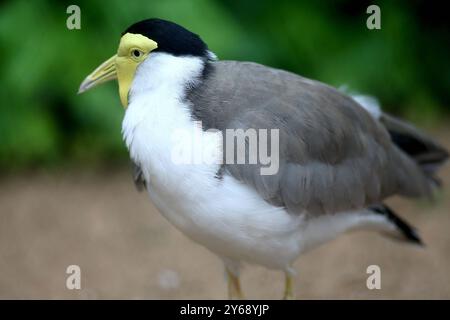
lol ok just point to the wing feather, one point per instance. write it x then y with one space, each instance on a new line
334 156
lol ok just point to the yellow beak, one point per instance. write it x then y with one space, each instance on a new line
105 72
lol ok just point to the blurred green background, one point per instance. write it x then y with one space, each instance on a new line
43 123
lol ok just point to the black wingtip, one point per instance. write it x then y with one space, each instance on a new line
409 233
412 236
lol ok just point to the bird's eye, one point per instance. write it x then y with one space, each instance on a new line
136 53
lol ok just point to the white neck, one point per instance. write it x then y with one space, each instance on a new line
157 110
162 70
156 91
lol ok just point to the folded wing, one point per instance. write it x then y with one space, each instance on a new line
334 156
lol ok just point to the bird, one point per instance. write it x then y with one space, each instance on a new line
339 155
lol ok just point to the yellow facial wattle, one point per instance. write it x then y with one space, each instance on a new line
133 49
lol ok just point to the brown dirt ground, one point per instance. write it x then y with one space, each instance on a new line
127 250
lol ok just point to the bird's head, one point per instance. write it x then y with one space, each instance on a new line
137 44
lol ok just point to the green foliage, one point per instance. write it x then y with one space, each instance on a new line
44 122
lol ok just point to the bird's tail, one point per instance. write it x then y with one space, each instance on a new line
426 152
396 227
418 146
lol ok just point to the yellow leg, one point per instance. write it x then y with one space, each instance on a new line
289 287
234 287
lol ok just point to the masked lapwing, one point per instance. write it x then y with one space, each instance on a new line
338 157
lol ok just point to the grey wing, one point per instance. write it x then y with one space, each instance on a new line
333 155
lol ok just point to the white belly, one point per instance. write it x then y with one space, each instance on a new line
233 222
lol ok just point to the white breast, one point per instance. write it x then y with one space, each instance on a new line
224 215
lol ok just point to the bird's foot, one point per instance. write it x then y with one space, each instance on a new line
289 288
234 287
